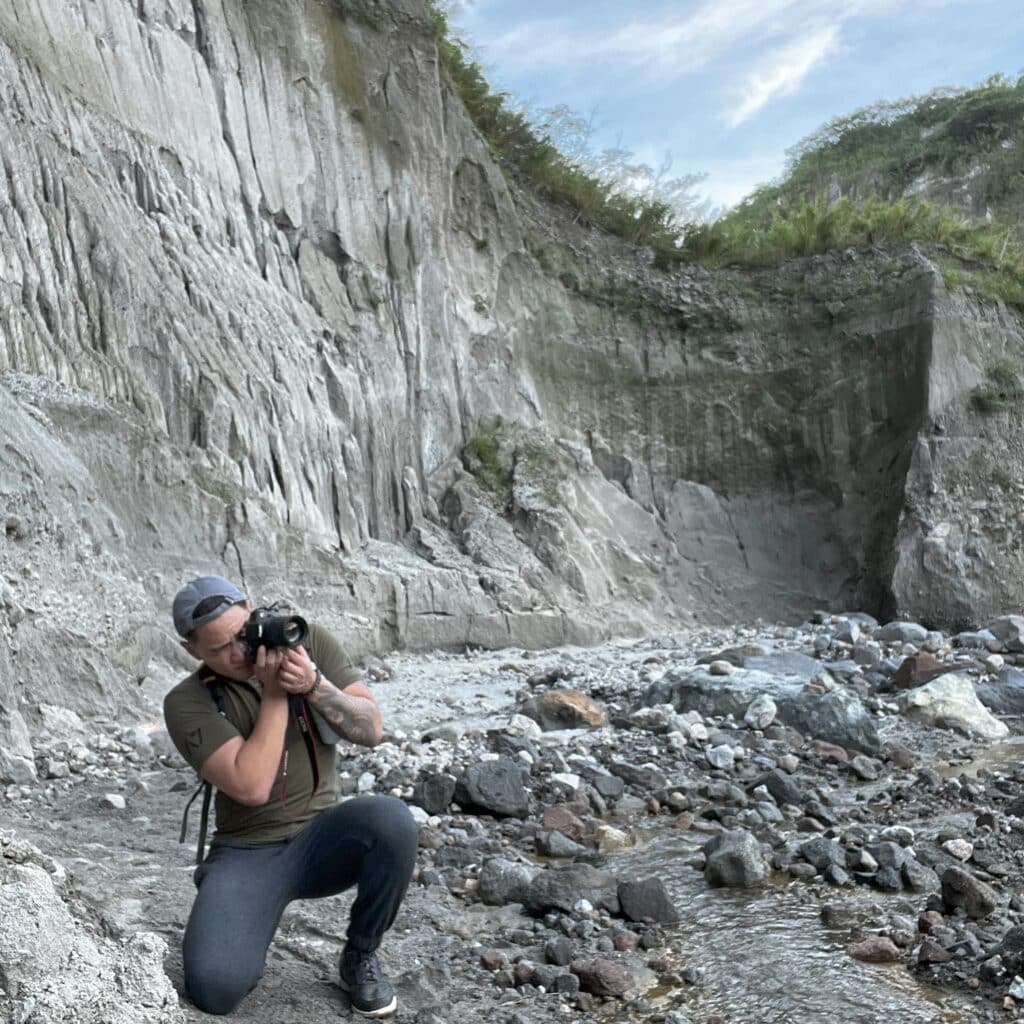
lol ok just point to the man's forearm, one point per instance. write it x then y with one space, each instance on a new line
259 758
354 718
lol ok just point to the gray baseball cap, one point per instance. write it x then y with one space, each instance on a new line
202 600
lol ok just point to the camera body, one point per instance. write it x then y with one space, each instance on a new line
268 628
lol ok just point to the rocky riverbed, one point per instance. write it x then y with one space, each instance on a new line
738 825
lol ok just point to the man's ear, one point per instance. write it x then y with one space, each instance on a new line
191 650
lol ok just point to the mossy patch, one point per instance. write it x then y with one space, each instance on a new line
485 459
1001 389
343 59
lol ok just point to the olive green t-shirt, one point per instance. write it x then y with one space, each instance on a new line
198 729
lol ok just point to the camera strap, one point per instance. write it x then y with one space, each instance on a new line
216 688
300 712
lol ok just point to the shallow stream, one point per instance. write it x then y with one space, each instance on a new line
766 957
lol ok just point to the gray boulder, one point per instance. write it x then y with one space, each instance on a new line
1009 631
503 882
962 889
56 969
559 888
837 715
823 853
734 859
434 792
1004 696
495 787
647 900
782 787
902 633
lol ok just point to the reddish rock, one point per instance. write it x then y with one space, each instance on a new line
929 919
879 949
561 818
685 820
919 669
829 751
602 977
625 940
565 709
492 960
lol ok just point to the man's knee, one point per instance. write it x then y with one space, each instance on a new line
395 823
216 989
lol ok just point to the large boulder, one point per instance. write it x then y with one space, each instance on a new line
559 888
54 965
502 882
647 900
950 702
836 715
1009 631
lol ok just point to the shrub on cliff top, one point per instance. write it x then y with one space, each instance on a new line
648 218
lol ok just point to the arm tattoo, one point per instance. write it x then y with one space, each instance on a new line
356 719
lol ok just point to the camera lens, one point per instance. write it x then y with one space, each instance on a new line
293 632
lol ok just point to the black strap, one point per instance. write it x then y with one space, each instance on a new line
212 681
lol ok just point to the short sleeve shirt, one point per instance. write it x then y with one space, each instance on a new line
198 729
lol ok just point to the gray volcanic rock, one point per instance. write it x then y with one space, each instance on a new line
837 715
495 787
559 888
502 882
734 859
1005 696
962 889
647 900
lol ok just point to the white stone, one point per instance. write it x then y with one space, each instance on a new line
950 702
721 756
569 779
520 725
721 668
610 839
419 815
760 712
113 801
959 848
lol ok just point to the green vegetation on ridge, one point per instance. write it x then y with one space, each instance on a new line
640 219
874 153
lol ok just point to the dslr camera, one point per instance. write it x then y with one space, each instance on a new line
267 627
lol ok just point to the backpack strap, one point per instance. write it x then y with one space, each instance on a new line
216 688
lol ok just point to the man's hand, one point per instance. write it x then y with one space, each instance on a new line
268 671
296 673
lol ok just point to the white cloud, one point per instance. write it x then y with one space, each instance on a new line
782 72
668 45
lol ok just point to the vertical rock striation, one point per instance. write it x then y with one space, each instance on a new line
269 307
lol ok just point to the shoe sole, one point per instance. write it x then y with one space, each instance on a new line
380 1012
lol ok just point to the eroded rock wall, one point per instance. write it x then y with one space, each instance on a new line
262 289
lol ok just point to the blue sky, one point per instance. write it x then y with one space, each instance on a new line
726 86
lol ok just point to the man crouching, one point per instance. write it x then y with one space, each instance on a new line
243 720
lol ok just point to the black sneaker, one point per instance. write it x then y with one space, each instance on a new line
368 990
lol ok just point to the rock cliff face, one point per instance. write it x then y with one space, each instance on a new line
269 308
